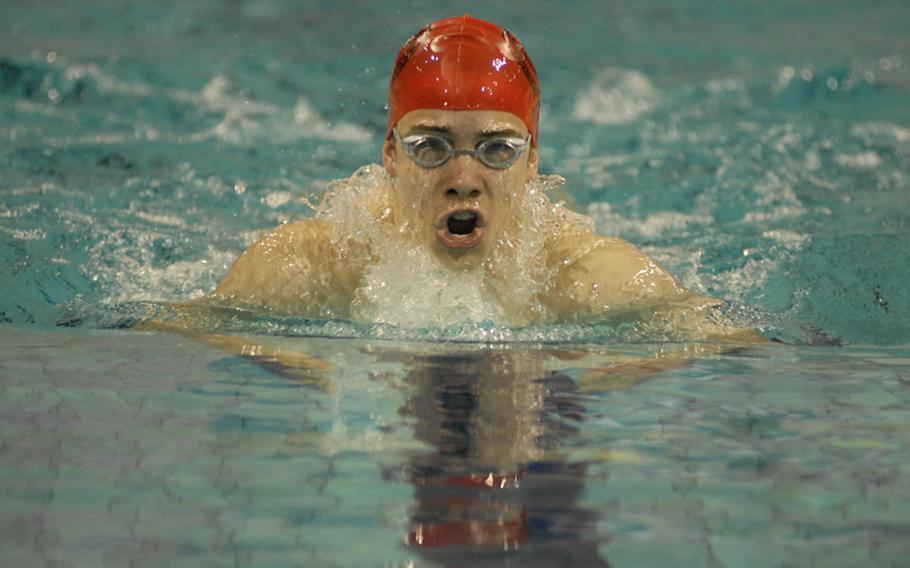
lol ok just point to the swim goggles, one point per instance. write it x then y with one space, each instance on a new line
432 151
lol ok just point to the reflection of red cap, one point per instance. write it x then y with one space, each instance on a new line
505 534
464 64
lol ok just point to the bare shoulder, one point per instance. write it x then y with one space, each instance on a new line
596 274
294 237
276 250
295 267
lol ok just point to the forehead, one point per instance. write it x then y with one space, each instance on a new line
463 122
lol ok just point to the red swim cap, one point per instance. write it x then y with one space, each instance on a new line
464 64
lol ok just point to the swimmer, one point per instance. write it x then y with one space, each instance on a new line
459 188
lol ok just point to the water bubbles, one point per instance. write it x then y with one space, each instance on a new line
784 77
890 63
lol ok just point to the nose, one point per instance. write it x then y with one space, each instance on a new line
463 192
466 181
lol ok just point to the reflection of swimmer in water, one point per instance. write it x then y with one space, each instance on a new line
461 194
494 486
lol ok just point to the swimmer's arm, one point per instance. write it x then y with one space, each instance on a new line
293 364
293 269
607 279
194 319
619 371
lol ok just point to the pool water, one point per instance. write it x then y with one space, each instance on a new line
124 448
760 152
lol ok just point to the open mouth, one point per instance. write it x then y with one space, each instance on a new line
460 229
462 223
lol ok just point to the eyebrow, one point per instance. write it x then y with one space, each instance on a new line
501 132
488 133
432 128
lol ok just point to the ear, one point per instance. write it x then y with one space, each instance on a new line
388 157
532 164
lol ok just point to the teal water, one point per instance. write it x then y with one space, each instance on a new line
759 151
137 449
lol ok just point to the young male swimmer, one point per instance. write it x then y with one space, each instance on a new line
459 199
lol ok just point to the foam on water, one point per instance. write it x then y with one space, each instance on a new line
615 96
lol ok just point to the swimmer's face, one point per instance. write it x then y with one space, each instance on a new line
461 208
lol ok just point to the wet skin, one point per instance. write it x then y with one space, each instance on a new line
296 268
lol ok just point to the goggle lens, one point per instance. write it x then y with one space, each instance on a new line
429 151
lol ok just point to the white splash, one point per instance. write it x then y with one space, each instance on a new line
655 225
406 285
862 160
241 118
873 131
616 96
312 124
